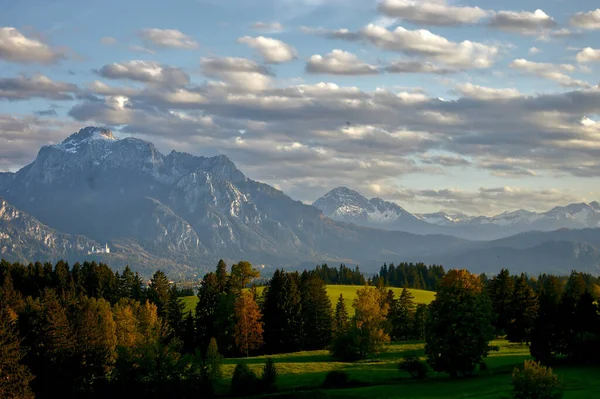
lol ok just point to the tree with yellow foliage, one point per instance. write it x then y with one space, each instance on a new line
248 334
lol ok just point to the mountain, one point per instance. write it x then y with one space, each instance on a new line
350 206
184 212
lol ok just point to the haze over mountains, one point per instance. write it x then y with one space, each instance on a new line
182 213
347 205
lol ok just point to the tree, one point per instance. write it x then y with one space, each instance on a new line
283 313
248 326
546 334
206 310
244 381
15 376
269 376
316 312
458 329
158 291
340 319
370 315
524 307
174 312
129 285
501 289
401 316
214 360
241 275
222 275
535 381
419 322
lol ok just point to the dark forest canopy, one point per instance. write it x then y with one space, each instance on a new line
87 331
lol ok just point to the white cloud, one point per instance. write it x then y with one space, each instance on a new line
15 47
168 38
272 50
339 62
145 71
553 72
534 50
588 54
431 12
416 66
24 88
587 20
466 54
238 72
523 22
267 27
486 93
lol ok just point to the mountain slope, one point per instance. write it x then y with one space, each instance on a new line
187 210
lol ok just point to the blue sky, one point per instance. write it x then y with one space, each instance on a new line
470 106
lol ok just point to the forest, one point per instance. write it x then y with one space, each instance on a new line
88 331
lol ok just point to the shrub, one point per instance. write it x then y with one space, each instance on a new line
413 366
269 376
336 379
244 381
345 347
535 381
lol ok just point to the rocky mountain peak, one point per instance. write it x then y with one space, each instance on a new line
86 135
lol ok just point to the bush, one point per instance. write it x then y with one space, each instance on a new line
345 347
413 366
244 381
535 381
269 376
336 379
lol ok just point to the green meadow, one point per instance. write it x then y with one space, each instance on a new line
301 375
334 291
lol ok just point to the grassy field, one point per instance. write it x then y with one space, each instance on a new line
306 371
334 291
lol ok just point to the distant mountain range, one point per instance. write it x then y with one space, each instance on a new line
182 213
346 205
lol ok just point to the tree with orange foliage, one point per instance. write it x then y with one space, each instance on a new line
248 333
459 324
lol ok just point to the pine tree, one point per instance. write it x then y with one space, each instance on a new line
158 292
546 334
14 375
222 275
129 285
501 289
524 307
459 327
206 310
248 327
340 318
213 360
174 314
189 333
402 316
316 312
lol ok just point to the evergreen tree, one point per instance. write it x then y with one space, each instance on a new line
500 290
283 313
340 318
174 312
214 360
401 316
14 375
316 312
222 275
129 285
189 333
524 307
458 328
158 292
248 327
419 322
206 310
225 322
546 334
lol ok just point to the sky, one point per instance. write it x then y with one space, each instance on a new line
471 106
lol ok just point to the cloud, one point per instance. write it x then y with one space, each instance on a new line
588 54
272 50
444 160
237 72
141 49
145 71
416 66
534 50
15 47
523 22
553 72
168 38
431 12
108 41
46 112
339 62
486 93
36 86
267 27
586 20
421 42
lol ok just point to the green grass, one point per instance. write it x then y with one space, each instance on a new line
334 291
306 371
